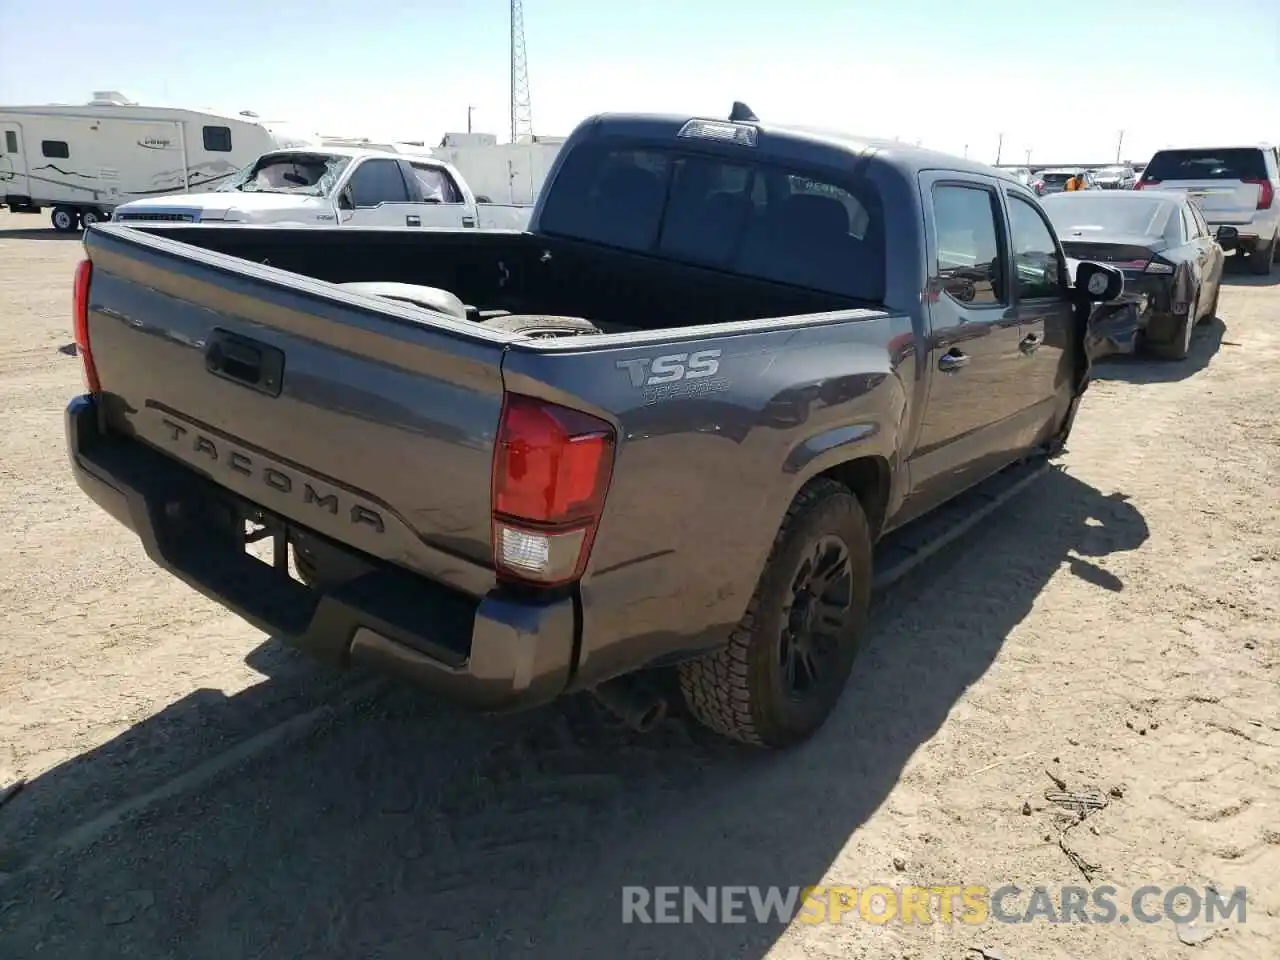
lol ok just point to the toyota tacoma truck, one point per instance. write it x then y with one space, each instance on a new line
657 436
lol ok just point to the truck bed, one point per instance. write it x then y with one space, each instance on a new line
519 272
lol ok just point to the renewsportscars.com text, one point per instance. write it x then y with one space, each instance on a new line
967 904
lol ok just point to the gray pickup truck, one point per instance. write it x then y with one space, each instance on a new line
658 435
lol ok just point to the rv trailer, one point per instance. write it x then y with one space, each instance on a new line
84 160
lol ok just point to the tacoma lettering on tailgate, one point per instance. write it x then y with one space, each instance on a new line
222 452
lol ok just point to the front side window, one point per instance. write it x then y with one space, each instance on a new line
1038 269
758 220
968 256
378 181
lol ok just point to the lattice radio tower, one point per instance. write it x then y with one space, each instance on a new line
521 107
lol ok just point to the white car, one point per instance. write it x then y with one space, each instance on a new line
335 186
1234 187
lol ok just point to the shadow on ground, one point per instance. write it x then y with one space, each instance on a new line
1206 341
1237 274
400 828
48 233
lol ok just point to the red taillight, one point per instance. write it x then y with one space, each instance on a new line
1145 183
551 470
1266 193
80 322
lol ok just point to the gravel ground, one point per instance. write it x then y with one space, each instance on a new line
195 791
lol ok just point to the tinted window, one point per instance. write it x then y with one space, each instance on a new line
968 246
756 220
1246 163
11 141
1035 255
217 139
378 181
55 149
436 184
1056 177
1097 214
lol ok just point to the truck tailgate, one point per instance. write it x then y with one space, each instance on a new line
353 421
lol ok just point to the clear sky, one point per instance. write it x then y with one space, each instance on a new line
1058 79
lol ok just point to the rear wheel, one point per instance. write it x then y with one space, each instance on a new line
1261 259
786 664
89 217
1179 348
64 219
1212 312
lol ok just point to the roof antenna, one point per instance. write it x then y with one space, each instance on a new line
741 113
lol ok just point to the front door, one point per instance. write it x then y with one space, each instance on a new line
13 164
1046 322
975 389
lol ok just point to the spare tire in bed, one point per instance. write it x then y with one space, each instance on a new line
536 325
432 298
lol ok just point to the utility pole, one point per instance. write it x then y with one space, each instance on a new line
1028 156
1119 144
470 111
999 148
966 151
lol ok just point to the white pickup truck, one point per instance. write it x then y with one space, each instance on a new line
336 186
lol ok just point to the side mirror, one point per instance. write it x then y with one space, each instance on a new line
483 199
1098 283
345 200
1227 235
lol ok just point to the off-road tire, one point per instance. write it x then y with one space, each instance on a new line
735 691
541 326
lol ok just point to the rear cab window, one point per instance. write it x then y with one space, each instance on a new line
1239 163
756 219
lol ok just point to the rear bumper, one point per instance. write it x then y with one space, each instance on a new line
491 653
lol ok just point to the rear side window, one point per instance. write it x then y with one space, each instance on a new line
436 185
55 149
757 220
1242 163
217 139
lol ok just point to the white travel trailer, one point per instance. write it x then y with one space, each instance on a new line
85 160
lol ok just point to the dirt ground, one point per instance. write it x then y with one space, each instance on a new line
195 791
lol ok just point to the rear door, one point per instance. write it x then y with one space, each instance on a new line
13 167
1226 183
970 419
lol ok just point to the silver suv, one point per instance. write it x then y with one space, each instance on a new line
1234 187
